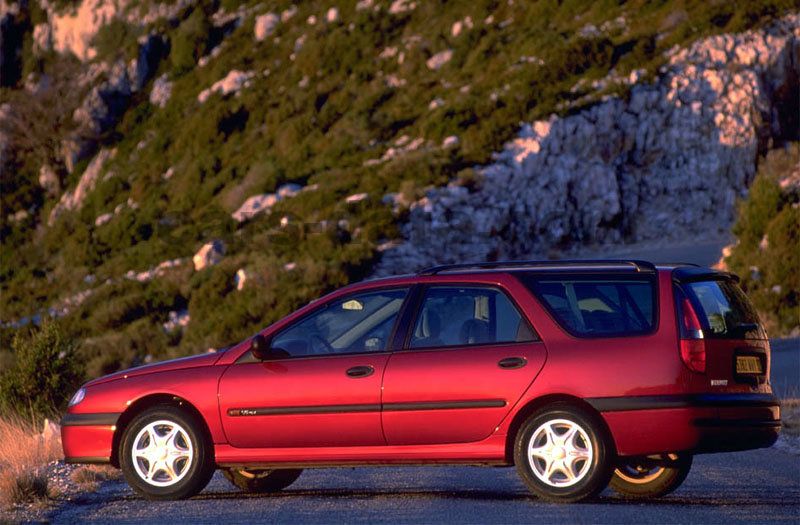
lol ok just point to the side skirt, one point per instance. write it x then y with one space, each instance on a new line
490 451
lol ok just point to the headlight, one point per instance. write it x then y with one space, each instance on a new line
78 397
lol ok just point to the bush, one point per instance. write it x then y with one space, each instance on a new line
45 373
190 42
768 234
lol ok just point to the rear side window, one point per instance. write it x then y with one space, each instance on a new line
596 306
724 310
465 316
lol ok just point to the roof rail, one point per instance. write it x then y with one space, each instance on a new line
594 264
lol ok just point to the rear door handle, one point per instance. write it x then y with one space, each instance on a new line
360 371
509 363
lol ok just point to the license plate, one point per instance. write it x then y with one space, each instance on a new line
748 364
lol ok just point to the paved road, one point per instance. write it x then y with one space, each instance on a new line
785 376
746 487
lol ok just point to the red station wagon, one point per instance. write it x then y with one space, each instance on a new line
580 373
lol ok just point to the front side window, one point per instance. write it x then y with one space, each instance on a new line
463 316
598 307
354 324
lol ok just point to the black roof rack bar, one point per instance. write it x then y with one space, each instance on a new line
595 264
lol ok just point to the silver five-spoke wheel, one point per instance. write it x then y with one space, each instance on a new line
563 453
560 453
162 452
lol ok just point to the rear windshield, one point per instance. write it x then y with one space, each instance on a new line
724 310
597 306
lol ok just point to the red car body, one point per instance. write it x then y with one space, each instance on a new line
448 405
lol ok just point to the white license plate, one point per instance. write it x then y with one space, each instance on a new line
748 364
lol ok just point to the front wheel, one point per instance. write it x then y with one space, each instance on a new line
165 454
563 455
262 481
651 476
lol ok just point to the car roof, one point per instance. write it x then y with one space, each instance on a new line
476 270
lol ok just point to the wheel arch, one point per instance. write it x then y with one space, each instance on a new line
148 401
535 405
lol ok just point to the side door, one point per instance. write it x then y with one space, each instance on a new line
469 357
325 390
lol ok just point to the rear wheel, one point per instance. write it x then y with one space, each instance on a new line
651 476
562 454
255 480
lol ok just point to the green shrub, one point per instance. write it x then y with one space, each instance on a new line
766 255
45 373
189 42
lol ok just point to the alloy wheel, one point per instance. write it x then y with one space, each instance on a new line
560 453
162 453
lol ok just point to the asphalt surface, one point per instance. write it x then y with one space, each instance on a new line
761 486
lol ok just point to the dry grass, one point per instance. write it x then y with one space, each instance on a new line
89 477
790 416
24 453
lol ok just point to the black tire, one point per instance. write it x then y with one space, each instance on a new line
262 481
193 473
593 473
650 477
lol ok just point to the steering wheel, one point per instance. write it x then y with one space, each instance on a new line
328 348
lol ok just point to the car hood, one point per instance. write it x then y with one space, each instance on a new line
194 361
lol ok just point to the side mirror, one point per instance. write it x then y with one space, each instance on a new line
260 347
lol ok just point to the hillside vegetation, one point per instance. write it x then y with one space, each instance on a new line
341 99
767 253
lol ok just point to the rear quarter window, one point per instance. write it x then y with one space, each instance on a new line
597 306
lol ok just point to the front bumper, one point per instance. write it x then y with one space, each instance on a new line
88 438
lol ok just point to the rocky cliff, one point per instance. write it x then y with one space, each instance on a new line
178 174
669 160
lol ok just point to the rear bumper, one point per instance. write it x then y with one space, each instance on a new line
88 438
700 423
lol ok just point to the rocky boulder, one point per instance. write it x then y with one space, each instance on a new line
265 25
210 254
232 83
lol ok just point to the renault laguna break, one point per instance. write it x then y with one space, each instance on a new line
580 374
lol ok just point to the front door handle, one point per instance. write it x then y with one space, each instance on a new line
360 371
510 363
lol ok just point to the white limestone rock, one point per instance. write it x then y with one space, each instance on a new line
356 197
255 205
208 255
438 60
161 92
240 279
232 83
670 161
73 200
265 25
332 16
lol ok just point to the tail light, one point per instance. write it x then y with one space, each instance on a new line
693 345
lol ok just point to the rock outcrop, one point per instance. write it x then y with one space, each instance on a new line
669 161
265 25
210 254
73 200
